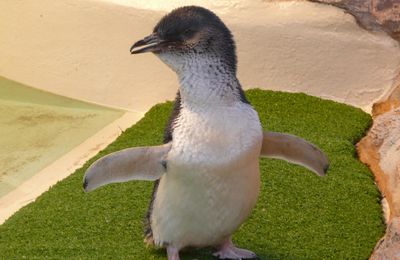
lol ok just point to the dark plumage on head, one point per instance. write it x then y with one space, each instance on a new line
190 30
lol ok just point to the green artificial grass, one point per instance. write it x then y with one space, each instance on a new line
298 215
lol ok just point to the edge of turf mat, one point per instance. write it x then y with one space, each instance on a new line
298 215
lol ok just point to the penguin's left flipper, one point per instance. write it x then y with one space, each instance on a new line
140 163
296 150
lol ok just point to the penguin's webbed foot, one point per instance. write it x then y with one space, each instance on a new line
229 251
173 253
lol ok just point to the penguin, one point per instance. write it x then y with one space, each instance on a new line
206 174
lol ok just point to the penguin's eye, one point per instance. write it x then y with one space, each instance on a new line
188 32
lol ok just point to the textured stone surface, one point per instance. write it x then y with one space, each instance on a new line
380 149
390 102
372 14
389 246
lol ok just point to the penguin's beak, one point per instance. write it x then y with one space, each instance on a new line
150 43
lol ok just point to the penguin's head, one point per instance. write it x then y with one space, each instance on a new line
189 33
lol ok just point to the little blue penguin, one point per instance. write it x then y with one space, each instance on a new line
206 174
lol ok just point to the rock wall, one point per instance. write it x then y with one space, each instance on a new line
373 15
380 150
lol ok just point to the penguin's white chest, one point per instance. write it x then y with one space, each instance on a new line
212 180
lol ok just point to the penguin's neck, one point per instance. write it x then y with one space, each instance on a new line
208 82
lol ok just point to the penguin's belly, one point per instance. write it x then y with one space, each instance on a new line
212 181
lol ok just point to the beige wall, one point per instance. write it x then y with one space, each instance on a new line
80 49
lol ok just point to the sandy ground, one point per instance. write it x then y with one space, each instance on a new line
80 49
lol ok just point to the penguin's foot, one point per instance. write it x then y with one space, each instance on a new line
229 251
173 253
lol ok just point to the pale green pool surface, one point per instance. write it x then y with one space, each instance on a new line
37 128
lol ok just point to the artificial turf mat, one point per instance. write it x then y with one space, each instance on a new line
298 215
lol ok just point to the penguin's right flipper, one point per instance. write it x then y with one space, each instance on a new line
296 150
140 163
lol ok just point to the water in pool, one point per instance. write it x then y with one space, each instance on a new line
37 128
